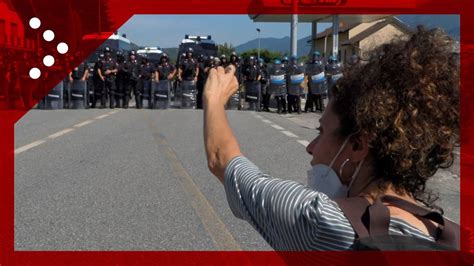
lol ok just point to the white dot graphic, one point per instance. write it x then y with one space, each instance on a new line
62 48
48 60
48 35
35 73
35 23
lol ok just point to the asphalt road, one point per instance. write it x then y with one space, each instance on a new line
138 179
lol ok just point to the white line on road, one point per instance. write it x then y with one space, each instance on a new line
113 112
277 127
289 134
60 133
83 123
266 121
101 116
303 142
29 146
258 116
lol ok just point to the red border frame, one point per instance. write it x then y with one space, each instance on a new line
120 11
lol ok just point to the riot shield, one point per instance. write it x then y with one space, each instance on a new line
253 94
188 94
79 95
295 82
277 85
147 94
318 83
161 93
54 99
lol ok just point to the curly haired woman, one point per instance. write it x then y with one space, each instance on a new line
390 125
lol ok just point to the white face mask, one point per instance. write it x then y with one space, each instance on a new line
324 179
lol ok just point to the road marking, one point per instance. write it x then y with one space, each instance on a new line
214 226
101 116
258 116
83 123
277 127
60 133
303 142
266 121
289 134
29 146
113 112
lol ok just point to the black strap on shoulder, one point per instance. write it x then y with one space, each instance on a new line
449 231
354 209
358 209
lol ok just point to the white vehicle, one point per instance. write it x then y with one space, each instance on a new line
152 53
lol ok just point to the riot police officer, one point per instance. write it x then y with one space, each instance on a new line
79 74
188 73
234 60
264 85
131 71
120 81
224 62
251 77
147 74
201 79
284 62
98 81
109 72
188 69
165 75
316 83
333 73
295 79
278 85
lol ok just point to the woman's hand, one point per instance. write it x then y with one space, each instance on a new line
220 85
219 141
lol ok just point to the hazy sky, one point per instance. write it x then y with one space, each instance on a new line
168 30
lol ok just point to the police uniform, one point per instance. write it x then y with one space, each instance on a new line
278 86
333 73
201 81
121 81
146 75
110 87
295 78
79 74
131 70
317 84
251 75
264 85
99 86
165 69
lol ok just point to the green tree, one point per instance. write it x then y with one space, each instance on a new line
265 54
225 48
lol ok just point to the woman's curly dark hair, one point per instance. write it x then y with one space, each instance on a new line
406 100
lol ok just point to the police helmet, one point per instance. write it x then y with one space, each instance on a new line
261 61
107 50
164 55
132 53
285 58
293 58
101 56
332 58
277 62
316 53
189 50
223 56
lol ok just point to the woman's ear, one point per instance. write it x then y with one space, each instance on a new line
360 147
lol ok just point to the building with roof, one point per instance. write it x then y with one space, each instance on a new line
360 38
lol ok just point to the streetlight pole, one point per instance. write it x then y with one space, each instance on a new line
258 51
